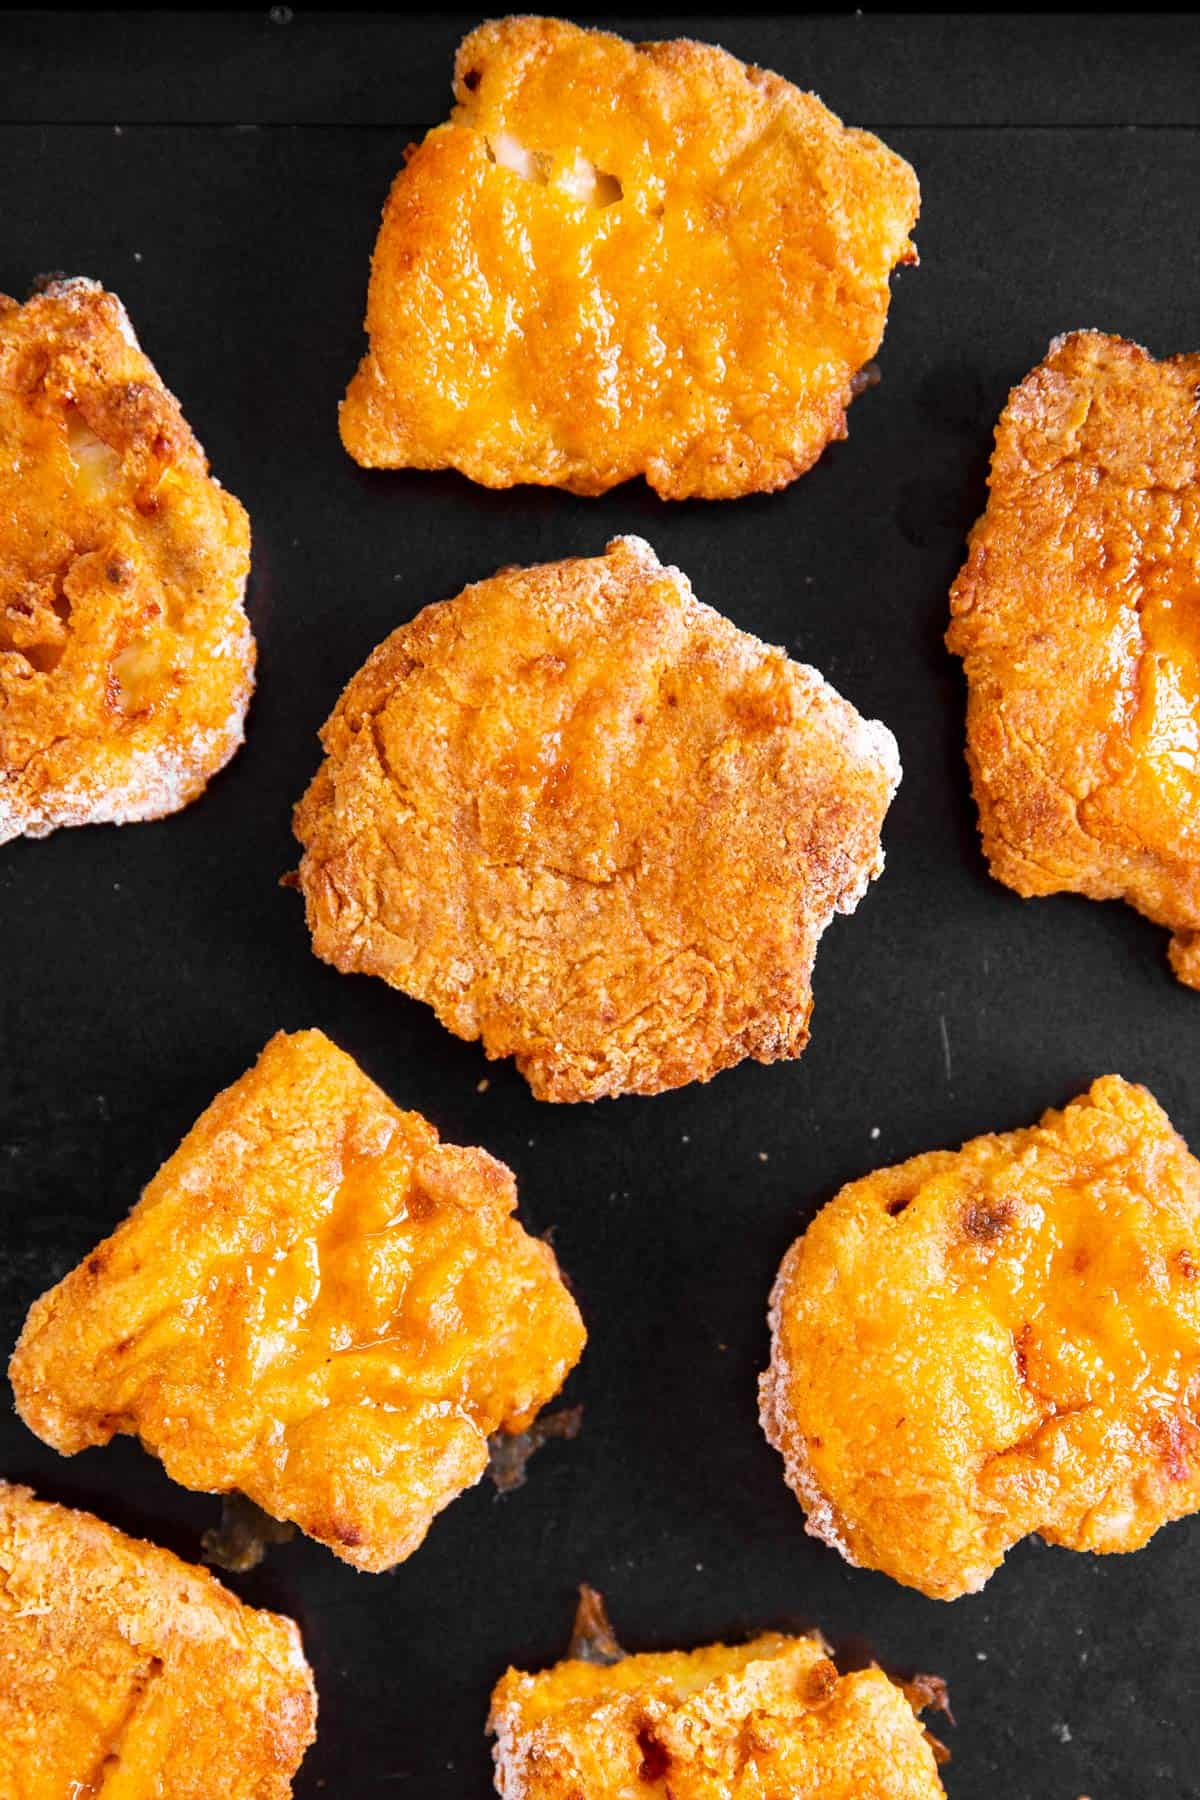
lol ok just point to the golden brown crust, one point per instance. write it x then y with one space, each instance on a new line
772 1717
126 660
621 260
593 824
979 1344
314 1302
122 1668
1075 616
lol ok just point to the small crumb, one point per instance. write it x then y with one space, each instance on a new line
592 1636
763 1157
1062 1732
981 1656
118 131
481 1087
699 1568
531 1143
685 1139
874 1133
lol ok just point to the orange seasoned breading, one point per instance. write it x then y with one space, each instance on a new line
772 1717
1004 1339
126 660
127 1673
619 260
592 823
315 1303
1077 615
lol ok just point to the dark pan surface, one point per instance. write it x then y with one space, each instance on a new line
224 174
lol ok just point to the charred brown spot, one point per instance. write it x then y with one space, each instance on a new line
1081 1260
897 1206
420 1205
1021 1351
868 377
656 1759
1175 1439
97 1262
472 79
820 1684
983 1221
118 571
1186 1265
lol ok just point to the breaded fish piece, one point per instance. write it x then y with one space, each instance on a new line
126 660
314 1302
621 260
771 1717
1076 616
1003 1339
127 1674
593 824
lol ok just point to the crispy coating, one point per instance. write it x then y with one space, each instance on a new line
1077 615
126 660
1004 1339
127 1674
314 1302
772 1717
621 260
592 823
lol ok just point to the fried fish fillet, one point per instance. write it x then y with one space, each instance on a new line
126 660
1004 1339
1077 615
314 1302
592 823
769 1717
621 260
127 1674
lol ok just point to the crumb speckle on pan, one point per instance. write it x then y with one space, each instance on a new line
239 1543
509 1454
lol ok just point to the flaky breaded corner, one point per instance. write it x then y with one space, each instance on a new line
998 1340
314 1302
1076 618
593 824
128 1672
621 260
126 660
770 1717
